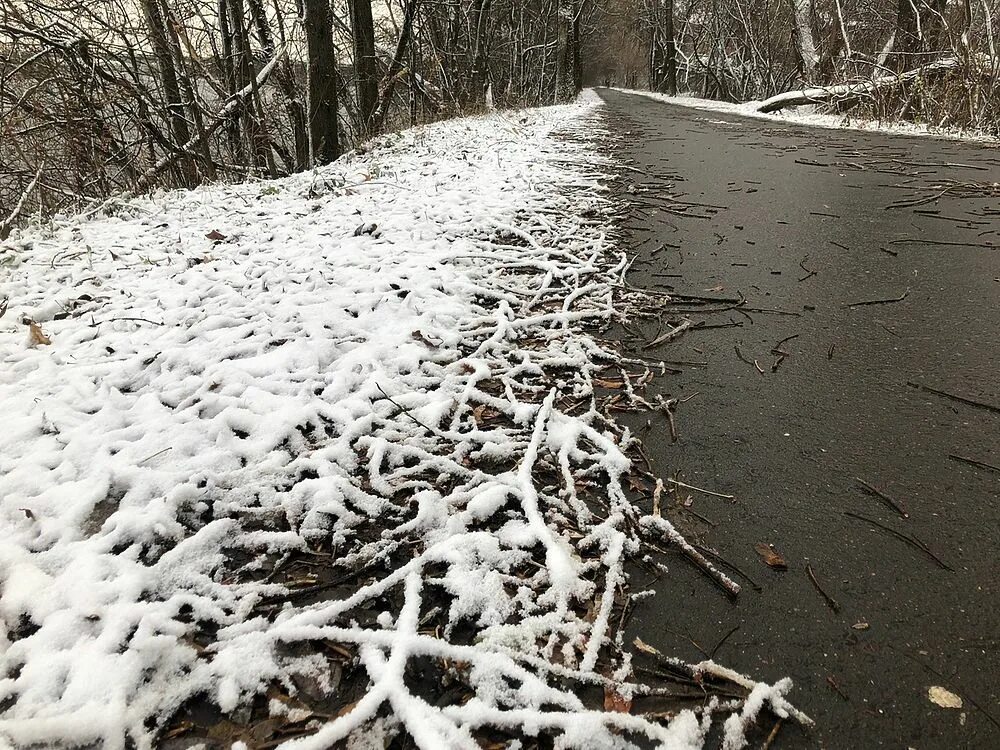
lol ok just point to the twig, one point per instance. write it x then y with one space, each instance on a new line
134 320
887 301
158 453
953 397
699 489
787 338
732 566
974 462
771 737
722 641
836 688
830 601
912 541
670 335
809 274
884 497
406 411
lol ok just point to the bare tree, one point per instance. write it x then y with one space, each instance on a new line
365 62
321 72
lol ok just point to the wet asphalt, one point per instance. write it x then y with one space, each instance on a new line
796 220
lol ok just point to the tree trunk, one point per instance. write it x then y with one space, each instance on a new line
286 82
577 49
321 71
669 50
364 61
850 92
916 31
171 89
565 75
663 55
480 54
396 66
804 34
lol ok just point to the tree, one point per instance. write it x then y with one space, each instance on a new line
567 52
321 73
663 54
171 88
363 30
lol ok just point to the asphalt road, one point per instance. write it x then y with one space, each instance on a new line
797 220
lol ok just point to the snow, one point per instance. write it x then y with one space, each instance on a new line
364 363
813 116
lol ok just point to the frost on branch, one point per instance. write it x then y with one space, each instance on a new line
327 480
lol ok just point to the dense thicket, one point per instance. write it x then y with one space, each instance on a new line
104 97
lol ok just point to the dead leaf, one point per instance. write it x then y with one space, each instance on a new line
635 485
484 413
860 625
615 701
940 696
770 556
215 235
602 383
37 336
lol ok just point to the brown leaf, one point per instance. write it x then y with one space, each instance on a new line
215 235
615 701
483 413
37 336
635 485
602 383
771 556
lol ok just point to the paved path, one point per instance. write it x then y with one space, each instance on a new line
781 202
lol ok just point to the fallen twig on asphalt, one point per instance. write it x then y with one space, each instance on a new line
830 601
953 397
773 735
835 687
886 301
722 641
671 334
882 496
912 541
732 566
974 462
701 490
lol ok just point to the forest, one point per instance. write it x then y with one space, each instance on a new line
108 98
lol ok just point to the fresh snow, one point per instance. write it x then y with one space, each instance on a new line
363 364
809 115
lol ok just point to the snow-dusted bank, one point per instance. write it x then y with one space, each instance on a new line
807 115
257 437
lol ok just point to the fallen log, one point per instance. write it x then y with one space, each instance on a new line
847 92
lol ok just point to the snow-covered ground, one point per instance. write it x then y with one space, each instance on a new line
809 115
377 372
